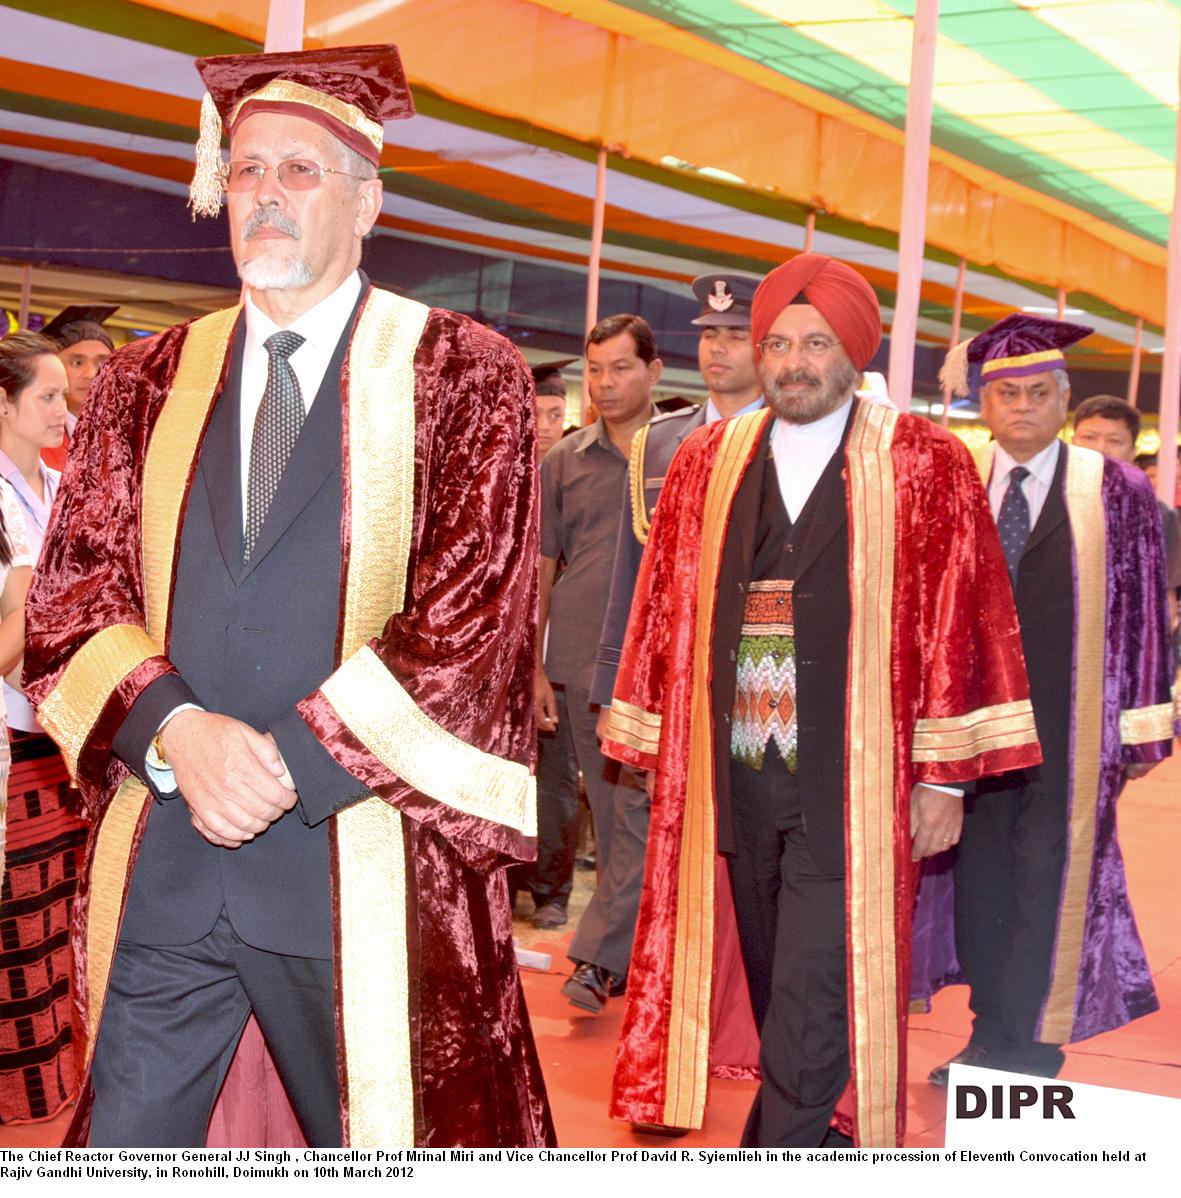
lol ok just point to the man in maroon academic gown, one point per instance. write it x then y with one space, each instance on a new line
283 632
821 639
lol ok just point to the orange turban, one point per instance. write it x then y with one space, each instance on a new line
835 290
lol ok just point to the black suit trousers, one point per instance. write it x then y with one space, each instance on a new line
172 1019
791 925
1008 879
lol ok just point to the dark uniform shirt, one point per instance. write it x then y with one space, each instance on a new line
582 487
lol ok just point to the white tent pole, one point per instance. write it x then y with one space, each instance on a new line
284 26
1170 383
592 271
914 202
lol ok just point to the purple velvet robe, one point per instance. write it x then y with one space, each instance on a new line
1122 714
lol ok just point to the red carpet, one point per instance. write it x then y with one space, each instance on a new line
577 1050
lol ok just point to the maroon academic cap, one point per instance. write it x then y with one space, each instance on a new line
348 90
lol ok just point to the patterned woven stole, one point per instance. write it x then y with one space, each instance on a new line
765 679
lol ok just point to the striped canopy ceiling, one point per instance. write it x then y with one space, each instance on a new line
726 121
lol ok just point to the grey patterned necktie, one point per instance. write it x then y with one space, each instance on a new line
276 428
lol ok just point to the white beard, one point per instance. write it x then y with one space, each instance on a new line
276 272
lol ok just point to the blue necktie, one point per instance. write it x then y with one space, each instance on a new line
1012 520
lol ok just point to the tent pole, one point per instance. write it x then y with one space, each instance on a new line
809 230
957 315
284 25
1137 350
26 294
1170 384
1061 303
592 274
914 202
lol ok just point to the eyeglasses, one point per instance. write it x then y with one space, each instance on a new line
295 174
815 346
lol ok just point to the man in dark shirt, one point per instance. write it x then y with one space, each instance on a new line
582 481
1111 425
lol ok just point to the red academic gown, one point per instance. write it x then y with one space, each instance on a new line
431 706
937 692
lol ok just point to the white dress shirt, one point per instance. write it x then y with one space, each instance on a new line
801 452
712 415
1035 487
320 327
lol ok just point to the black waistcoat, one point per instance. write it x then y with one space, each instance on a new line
761 543
250 642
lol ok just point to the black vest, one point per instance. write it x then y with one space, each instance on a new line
762 543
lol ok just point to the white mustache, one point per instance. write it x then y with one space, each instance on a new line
270 216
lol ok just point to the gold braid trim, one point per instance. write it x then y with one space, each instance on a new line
70 711
386 720
109 876
374 992
635 481
1088 530
634 727
172 450
870 777
286 91
1140 725
956 738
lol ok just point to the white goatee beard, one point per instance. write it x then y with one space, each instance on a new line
274 272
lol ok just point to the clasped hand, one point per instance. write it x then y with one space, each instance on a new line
232 778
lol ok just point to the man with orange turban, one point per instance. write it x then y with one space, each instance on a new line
821 639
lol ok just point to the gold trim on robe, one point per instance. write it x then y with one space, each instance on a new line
387 721
1141 725
687 1070
108 881
634 727
870 778
70 711
958 738
370 841
172 450
1088 529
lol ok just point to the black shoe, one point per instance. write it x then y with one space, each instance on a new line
660 1129
549 915
617 987
588 987
1042 1060
973 1054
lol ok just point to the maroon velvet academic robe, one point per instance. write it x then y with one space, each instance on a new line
431 706
937 693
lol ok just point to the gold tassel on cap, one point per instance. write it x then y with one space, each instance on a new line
954 371
206 187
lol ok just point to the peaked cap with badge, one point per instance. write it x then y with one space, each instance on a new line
725 298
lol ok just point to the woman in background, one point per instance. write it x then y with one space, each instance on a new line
16 572
45 837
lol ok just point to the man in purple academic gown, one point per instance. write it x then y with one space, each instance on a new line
1044 928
